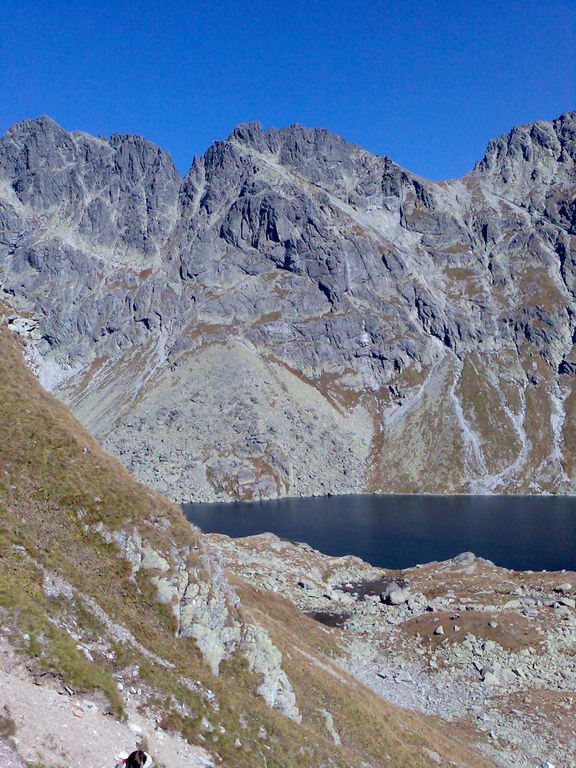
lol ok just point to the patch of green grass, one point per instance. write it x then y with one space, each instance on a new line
52 647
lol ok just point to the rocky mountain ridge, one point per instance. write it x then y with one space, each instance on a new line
298 316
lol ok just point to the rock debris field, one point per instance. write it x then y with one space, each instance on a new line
463 640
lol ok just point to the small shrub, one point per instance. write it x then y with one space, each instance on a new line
7 725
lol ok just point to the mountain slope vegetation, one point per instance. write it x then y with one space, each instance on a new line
107 590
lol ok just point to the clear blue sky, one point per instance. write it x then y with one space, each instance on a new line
425 82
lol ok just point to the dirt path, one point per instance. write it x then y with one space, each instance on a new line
55 729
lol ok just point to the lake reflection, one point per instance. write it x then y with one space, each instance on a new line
521 532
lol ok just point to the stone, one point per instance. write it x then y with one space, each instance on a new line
439 630
465 557
395 594
507 676
564 587
246 477
397 597
153 560
434 756
265 659
486 669
305 584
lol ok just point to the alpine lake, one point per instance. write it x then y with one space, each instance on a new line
396 531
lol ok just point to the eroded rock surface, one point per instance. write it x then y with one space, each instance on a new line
297 315
484 647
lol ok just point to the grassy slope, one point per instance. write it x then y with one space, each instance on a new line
50 470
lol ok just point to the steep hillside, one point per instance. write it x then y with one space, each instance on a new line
297 315
118 624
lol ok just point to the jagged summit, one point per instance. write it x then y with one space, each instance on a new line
253 134
320 319
246 131
32 124
521 141
544 142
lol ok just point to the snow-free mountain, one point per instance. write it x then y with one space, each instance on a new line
297 315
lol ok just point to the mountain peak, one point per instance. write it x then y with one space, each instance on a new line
540 142
302 248
246 131
35 126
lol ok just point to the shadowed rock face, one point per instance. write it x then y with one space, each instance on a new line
297 315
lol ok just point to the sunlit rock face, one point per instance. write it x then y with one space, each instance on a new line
299 316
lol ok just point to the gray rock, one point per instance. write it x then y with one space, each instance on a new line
305 584
465 557
395 594
287 288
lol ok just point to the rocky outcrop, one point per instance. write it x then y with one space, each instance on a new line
297 315
265 659
205 607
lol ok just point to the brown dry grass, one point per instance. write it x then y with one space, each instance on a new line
512 632
7 724
370 728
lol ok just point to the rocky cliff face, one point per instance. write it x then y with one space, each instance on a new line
297 315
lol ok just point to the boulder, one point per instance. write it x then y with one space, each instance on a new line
305 584
464 557
490 678
395 594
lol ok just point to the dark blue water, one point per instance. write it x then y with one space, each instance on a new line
521 532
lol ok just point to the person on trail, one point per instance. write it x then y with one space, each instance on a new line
136 759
